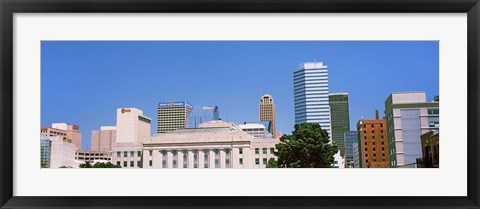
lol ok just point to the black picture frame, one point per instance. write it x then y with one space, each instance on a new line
9 7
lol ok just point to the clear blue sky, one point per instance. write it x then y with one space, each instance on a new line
83 82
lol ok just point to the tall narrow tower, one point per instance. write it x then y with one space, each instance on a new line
340 119
310 82
267 111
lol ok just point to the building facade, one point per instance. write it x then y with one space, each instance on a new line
409 116
430 149
83 156
267 111
356 155
350 137
372 143
340 119
69 133
257 130
103 139
202 114
215 144
172 116
132 128
311 95
57 153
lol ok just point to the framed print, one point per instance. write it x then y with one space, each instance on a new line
263 104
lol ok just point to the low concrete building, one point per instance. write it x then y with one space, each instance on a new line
215 144
430 149
83 156
57 153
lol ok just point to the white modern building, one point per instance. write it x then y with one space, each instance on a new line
356 155
409 115
61 153
132 128
215 144
311 95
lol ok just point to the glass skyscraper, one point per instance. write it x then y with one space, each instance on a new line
202 114
350 137
311 95
340 119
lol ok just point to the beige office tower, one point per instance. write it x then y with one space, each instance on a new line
267 111
132 128
103 139
172 116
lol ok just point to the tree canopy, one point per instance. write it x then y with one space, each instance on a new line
99 165
307 147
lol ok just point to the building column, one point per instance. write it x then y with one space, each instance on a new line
211 158
248 157
201 161
180 159
235 158
170 159
145 158
190 159
222 158
156 159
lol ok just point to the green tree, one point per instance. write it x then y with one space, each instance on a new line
307 147
99 165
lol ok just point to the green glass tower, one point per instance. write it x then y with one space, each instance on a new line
340 119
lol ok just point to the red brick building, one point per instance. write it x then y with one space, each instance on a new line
372 143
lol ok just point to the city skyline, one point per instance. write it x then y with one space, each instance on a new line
230 76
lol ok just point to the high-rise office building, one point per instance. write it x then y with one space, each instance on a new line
267 111
372 143
310 82
202 114
103 139
340 119
350 138
409 115
172 116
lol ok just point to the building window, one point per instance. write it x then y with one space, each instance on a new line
433 111
118 163
217 158
366 155
118 154
264 150
139 164
174 160
381 136
373 131
125 154
164 159
364 137
365 149
195 158
365 143
132 154
139 153
272 151
256 151
185 159
240 161
257 161
264 161
205 158
132 164
150 152
373 143
150 163
228 156
124 164
381 125
240 150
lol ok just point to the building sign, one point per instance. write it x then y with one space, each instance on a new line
125 110
174 104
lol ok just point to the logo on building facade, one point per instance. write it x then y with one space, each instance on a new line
125 110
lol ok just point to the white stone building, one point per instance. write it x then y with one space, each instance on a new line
215 144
